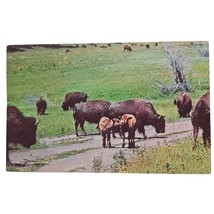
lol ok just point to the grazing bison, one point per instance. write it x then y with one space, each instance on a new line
20 129
147 46
105 126
184 104
103 46
201 119
91 111
72 98
142 110
128 122
127 47
41 105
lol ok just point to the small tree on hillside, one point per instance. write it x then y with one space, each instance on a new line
178 65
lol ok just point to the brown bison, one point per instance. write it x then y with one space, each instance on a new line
127 47
105 126
143 111
128 123
41 105
20 129
184 104
91 111
201 119
72 98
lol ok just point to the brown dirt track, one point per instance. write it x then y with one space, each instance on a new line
83 162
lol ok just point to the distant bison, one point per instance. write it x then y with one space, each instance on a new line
72 98
103 46
41 105
127 47
20 129
143 111
147 46
105 126
91 111
201 119
184 104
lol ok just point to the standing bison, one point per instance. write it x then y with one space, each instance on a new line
41 105
127 47
184 104
72 98
20 129
143 111
105 127
128 123
91 111
201 119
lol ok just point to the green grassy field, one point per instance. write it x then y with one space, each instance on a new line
109 73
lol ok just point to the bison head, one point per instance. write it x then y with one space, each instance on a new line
65 106
160 124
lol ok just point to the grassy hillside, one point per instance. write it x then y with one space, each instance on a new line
103 73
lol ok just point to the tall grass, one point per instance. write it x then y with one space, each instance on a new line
110 74
171 159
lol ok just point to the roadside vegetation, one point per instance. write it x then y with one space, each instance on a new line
176 158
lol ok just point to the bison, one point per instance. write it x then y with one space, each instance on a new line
72 98
41 105
127 47
128 123
105 126
184 104
91 111
20 129
142 110
200 118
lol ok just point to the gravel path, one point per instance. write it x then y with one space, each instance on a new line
83 162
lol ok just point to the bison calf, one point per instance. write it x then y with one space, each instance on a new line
128 122
184 104
105 127
201 119
41 105
20 129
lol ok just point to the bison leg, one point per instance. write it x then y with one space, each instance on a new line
76 126
109 139
123 137
7 155
82 127
195 135
206 137
104 140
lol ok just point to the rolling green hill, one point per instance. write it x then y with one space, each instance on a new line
103 73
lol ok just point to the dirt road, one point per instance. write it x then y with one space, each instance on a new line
89 148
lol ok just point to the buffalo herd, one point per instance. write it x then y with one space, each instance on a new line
121 117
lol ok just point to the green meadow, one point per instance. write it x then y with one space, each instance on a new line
103 73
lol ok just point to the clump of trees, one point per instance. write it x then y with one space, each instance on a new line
178 65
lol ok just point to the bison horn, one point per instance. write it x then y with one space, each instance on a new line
160 116
37 122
